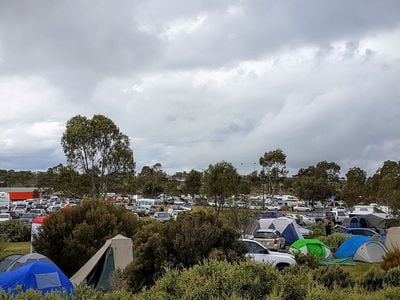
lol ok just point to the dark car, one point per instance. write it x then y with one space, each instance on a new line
321 216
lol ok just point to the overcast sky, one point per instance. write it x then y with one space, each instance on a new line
196 82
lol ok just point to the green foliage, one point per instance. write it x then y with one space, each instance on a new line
318 182
193 183
293 286
373 279
219 280
152 180
334 240
355 186
221 181
274 168
391 260
97 148
15 231
318 229
308 260
191 239
75 234
331 276
392 277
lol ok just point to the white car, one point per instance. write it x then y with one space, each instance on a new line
273 207
5 217
301 207
259 253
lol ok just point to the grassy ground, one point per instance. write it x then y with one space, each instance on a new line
358 270
14 248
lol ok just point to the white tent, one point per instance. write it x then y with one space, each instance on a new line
393 239
116 253
371 252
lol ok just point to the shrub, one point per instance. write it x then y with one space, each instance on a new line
318 229
373 279
392 277
391 260
309 260
15 231
331 276
71 236
218 279
293 286
334 240
183 243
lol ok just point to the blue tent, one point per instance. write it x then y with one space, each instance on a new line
288 228
350 246
41 276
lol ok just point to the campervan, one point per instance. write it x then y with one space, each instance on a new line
149 203
367 210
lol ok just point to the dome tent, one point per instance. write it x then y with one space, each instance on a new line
7 261
27 259
392 241
312 246
39 276
288 228
362 248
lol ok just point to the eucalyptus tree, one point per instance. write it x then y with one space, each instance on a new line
273 165
221 181
97 148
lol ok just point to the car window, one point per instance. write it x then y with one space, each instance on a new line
254 248
341 213
265 235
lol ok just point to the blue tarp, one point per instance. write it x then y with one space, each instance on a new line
41 276
350 246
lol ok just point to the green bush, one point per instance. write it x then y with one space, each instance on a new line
392 277
334 240
15 231
184 243
332 276
219 280
318 229
373 279
391 260
70 237
309 260
293 286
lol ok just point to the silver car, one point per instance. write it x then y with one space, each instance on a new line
270 238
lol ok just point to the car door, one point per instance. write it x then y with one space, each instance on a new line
258 253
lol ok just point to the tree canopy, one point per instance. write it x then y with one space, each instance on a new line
97 148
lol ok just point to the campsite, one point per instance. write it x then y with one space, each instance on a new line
114 264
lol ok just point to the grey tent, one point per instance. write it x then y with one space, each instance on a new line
27 259
371 252
393 239
116 253
365 221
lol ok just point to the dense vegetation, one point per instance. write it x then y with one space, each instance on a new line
248 280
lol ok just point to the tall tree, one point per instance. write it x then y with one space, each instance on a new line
193 182
354 188
318 182
152 180
97 148
273 165
221 181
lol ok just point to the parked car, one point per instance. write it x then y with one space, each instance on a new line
259 253
162 216
365 231
273 207
301 207
321 216
339 216
27 218
5 217
37 212
270 238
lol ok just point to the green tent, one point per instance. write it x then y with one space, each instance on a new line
313 246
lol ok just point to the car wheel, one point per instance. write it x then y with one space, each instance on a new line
282 266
